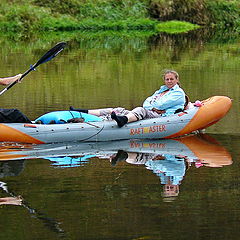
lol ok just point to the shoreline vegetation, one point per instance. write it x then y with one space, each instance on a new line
31 16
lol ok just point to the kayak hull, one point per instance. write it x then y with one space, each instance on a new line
196 118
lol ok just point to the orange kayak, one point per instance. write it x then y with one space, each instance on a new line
195 118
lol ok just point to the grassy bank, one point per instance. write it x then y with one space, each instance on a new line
21 16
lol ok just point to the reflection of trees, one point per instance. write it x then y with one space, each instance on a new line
51 223
11 168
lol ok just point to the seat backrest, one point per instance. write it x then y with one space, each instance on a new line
187 101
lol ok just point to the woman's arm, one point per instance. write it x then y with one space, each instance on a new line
176 97
8 80
147 103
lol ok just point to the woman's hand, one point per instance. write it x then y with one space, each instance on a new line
158 111
18 77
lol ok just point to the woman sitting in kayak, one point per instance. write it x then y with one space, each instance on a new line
164 102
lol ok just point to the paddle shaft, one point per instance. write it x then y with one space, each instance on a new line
53 52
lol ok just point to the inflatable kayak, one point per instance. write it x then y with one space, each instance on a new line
94 128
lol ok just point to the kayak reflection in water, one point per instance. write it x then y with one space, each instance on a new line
67 161
169 159
171 166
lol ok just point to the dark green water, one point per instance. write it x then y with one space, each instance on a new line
86 195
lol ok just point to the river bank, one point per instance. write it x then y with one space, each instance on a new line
27 16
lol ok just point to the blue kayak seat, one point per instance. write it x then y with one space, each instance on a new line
60 117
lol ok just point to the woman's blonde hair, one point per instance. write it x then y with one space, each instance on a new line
171 71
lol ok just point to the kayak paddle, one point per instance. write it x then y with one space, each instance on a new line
53 52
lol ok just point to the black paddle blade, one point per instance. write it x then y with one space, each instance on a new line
51 53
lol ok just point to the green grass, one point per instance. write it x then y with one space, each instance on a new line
67 24
174 27
31 16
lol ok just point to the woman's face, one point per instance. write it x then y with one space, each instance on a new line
170 80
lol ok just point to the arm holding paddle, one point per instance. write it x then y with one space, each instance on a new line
53 52
9 80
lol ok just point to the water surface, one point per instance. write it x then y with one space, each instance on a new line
157 189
